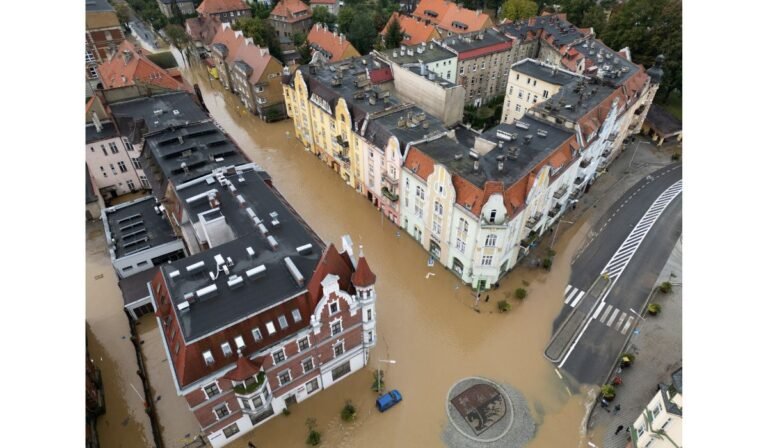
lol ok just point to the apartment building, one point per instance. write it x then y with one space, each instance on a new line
333 5
484 60
250 72
184 7
329 46
226 11
103 34
477 209
128 66
529 82
437 59
290 17
288 317
450 18
414 30
660 425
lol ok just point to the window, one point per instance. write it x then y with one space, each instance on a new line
529 81
296 315
518 76
656 410
303 343
419 192
211 390
517 108
307 365
208 357
436 227
333 307
257 403
545 94
245 404
239 343
419 210
284 377
278 356
463 225
226 349
312 386
336 327
534 83
438 208
144 181
113 147
370 315
221 411
640 431
122 167
270 328
370 336
520 94
460 245
231 430
492 218
283 322
338 349
136 163
127 144
486 260
490 240
104 150
340 371
92 150
130 184
256 334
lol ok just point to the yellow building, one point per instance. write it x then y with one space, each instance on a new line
529 82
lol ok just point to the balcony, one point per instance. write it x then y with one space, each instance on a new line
579 180
560 192
606 153
529 241
257 418
251 386
555 210
343 143
533 220
585 162
389 195
389 179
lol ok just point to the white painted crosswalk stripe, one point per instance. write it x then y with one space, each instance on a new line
567 288
605 314
574 291
613 317
621 319
577 299
597 311
627 325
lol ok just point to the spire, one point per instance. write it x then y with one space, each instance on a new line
363 276
245 368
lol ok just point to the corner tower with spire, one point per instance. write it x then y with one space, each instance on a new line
364 280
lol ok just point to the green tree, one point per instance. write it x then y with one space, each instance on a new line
518 9
322 15
262 34
347 16
576 10
260 10
595 18
394 35
176 35
362 33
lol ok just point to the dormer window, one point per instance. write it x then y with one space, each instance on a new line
240 343
270 328
492 218
226 349
208 357
296 315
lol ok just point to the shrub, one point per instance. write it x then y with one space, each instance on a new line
627 359
504 306
286 412
348 412
654 309
547 263
608 391
665 287
378 381
551 252
521 293
313 438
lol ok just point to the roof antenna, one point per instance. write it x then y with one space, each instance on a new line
361 251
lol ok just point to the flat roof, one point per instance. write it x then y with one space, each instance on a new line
519 157
473 41
134 288
563 31
616 69
257 279
430 52
576 99
97 6
544 72
136 226
180 154
108 130
157 112
407 122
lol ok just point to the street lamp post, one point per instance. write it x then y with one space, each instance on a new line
552 244
636 314
378 374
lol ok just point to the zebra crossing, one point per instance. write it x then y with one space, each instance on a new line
573 296
621 258
612 317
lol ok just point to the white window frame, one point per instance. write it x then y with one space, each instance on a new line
343 348
296 314
226 349
282 319
309 343
208 397
225 405
486 260
461 246
274 360
490 240
341 326
271 328
280 380
338 308
239 342
209 355
310 359
256 333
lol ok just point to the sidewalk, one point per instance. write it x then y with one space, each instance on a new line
657 344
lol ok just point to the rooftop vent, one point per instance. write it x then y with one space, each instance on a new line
250 251
183 306
522 125
195 267
541 133
234 281
275 222
473 155
504 135
305 249
476 165
458 156
208 291
500 162
176 112
263 229
174 274
272 242
256 272
528 138
295 273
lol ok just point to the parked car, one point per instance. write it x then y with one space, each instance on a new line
388 400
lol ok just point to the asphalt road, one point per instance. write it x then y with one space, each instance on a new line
611 230
597 349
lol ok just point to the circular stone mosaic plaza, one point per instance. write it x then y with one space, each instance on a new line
482 413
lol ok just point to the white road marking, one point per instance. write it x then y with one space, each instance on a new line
574 291
597 312
627 325
567 288
606 313
613 317
621 319
578 298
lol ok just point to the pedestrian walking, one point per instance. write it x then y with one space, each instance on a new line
618 430
487 298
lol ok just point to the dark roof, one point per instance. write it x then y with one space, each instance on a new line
108 130
662 121
159 111
669 391
576 99
616 68
563 31
97 6
90 194
134 288
180 154
444 83
677 379
465 136
230 304
544 72
406 122
135 226
474 41
431 53
518 162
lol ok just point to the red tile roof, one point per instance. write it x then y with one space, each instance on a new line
118 73
334 44
416 30
363 275
245 368
323 2
219 6
419 163
240 49
449 12
477 52
290 9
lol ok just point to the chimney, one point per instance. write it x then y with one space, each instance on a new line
97 122
127 56
213 200
422 68
500 162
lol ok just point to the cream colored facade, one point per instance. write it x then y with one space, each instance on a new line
524 91
657 427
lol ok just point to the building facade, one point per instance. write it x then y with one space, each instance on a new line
330 46
226 11
529 82
185 7
103 34
290 17
660 425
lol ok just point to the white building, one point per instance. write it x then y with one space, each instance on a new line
660 425
112 160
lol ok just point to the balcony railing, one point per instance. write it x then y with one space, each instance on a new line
533 220
258 418
606 153
579 180
389 195
555 210
585 162
560 192
252 388
343 143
